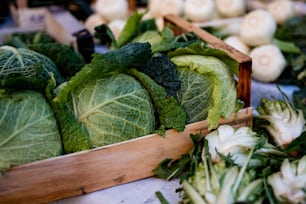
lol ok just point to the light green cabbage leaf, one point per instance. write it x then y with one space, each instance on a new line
218 85
29 130
113 109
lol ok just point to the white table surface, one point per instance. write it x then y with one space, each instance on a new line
137 192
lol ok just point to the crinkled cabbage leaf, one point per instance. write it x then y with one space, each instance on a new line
25 68
218 85
113 109
29 130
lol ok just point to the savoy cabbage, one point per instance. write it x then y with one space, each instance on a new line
113 109
29 130
200 67
25 68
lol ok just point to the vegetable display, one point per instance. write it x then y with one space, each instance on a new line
245 164
141 86
151 81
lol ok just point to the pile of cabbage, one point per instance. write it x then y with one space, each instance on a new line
53 103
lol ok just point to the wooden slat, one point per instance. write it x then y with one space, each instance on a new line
100 168
244 61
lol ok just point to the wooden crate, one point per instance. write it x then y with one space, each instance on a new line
87 171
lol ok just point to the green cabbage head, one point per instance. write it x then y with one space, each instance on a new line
25 68
112 109
29 130
208 89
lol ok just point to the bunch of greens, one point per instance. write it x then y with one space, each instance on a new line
291 40
24 39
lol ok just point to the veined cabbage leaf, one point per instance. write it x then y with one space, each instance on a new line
218 84
29 130
113 109
25 68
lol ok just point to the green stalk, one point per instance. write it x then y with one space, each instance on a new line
193 195
242 171
204 159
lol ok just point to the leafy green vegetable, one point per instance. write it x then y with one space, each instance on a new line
220 88
194 93
162 71
68 61
133 55
24 65
151 36
105 104
130 29
112 109
292 33
29 130
74 136
169 112
22 39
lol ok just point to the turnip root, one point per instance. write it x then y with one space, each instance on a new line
230 8
281 10
112 9
171 7
116 26
268 63
154 8
199 10
237 43
257 28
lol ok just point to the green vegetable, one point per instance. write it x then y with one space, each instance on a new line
151 36
169 112
216 183
104 101
130 29
213 94
284 122
162 71
291 38
29 130
133 55
64 57
24 39
24 68
112 109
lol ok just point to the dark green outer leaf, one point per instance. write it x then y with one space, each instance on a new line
132 55
170 113
64 57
